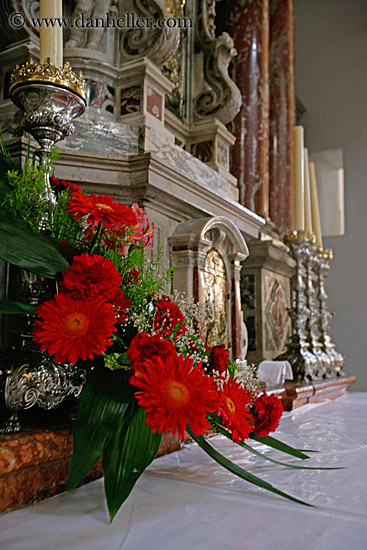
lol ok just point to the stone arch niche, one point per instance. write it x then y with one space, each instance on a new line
206 254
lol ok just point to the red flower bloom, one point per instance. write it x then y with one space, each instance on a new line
60 185
91 277
233 411
142 233
73 329
174 395
120 304
133 275
219 359
268 411
100 208
167 316
143 347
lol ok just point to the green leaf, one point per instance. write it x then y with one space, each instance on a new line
103 403
224 432
28 250
223 461
132 449
6 306
276 444
6 164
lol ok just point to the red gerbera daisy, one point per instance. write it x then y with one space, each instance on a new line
73 329
268 411
233 411
60 185
174 395
167 316
143 347
219 359
91 277
100 208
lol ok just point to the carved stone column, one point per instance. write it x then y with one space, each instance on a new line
206 254
266 297
248 23
282 114
214 98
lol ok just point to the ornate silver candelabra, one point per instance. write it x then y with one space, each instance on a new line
50 98
336 359
304 363
313 333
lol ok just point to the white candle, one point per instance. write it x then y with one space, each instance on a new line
299 195
51 44
315 206
308 217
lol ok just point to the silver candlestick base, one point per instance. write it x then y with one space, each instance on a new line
304 363
336 359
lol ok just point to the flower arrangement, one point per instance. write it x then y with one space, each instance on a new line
149 371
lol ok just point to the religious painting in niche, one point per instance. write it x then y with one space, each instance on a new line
216 300
276 315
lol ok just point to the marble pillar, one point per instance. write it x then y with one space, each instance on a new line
282 114
248 23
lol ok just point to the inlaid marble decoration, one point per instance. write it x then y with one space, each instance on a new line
276 318
154 103
204 151
248 24
131 100
282 114
100 95
223 155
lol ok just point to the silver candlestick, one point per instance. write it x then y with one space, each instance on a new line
304 363
313 337
50 98
322 268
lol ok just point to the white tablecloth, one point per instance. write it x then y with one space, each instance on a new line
185 501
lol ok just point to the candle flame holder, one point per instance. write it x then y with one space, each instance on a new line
50 98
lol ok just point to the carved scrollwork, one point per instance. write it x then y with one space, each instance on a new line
158 44
46 385
223 98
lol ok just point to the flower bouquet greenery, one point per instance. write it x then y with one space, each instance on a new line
149 370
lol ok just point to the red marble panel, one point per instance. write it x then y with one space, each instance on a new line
248 24
282 114
155 103
35 464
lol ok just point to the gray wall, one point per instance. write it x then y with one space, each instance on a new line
331 81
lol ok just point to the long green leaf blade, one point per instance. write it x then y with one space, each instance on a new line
132 449
9 307
103 403
28 250
280 446
224 432
223 461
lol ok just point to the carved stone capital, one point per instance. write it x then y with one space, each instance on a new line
158 44
223 98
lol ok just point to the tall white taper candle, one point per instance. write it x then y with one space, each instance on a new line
308 217
315 206
299 193
51 44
